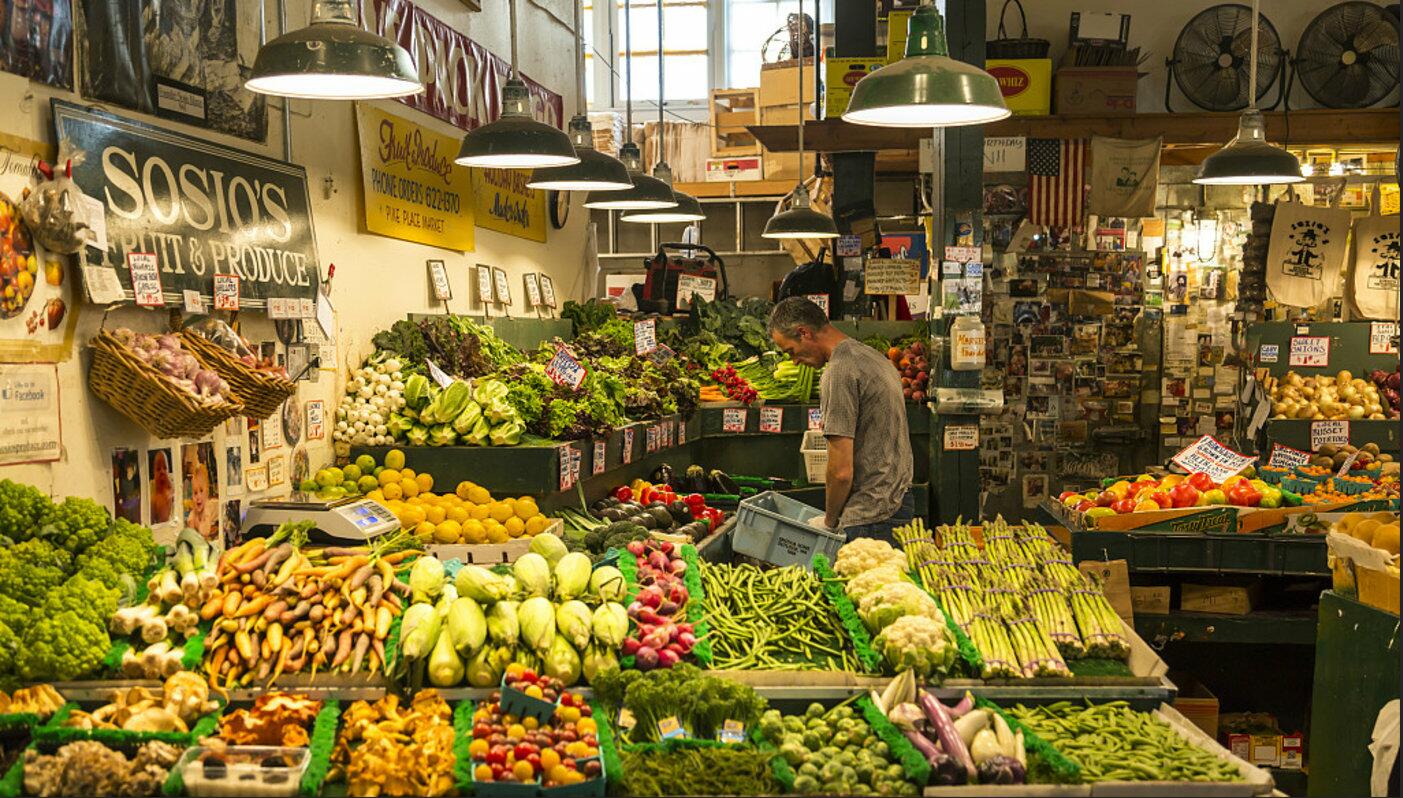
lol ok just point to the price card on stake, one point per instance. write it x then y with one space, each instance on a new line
733 419
670 728
146 279
1382 336
601 450
533 289
771 419
694 285
438 375
661 354
194 303
961 437
1287 457
732 732
547 291
438 281
306 308
1309 351
316 419
1347 464
815 418
484 285
819 299
628 445
504 291
566 473
565 370
576 457
645 336
681 432
1213 458
1334 432
226 292
1268 353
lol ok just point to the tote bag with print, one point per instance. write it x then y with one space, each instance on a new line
1306 253
1373 284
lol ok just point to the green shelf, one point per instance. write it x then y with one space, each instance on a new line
1263 626
794 419
1153 552
1295 432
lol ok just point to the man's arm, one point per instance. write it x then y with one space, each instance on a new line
838 480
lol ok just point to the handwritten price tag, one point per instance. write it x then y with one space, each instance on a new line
1333 432
1213 458
681 432
815 418
645 336
226 292
1268 353
1383 337
1287 457
1310 351
146 279
601 450
771 419
628 445
821 300
661 354
961 437
567 475
733 420
565 370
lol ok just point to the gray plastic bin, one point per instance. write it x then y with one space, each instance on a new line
774 528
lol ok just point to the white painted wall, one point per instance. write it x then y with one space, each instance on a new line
378 280
1154 27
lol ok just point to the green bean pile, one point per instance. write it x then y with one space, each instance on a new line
773 619
1112 742
733 770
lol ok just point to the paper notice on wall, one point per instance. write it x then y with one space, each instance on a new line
891 276
961 437
29 414
1213 458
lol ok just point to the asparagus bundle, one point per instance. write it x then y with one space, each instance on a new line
990 636
1053 613
1099 624
1036 650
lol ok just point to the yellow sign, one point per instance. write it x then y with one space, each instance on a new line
506 205
413 190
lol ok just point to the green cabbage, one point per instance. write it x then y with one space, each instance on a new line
416 392
480 434
442 435
506 434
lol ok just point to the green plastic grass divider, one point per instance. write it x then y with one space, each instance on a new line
608 748
392 643
1062 769
903 752
60 715
194 651
696 605
628 566
462 738
12 719
838 599
323 740
112 663
12 783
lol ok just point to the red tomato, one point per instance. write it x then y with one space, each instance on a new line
1162 498
1084 505
1201 481
1124 506
1184 495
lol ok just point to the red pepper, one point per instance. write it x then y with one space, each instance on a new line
645 496
665 495
624 493
717 517
695 500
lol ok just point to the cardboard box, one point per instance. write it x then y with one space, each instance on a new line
840 75
1150 600
1026 84
784 115
779 84
1096 90
1379 589
1221 599
1196 702
1293 751
1266 750
734 170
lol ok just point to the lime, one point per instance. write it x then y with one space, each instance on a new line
350 488
309 486
394 458
351 472
367 484
365 463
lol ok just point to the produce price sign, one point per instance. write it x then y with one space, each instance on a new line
566 370
601 449
504 291
438 279
146 279
567 474
732 731
547 291
1213 458
628 445
670 728
1333 432
815 418
316 420
771 419
1268 353
661 354
1382 335
226 292
681 432
1309 351
194 303
650 440
692 285
484 284
961 437
889 276
1287 457
819 299
645 336
533 290
733 420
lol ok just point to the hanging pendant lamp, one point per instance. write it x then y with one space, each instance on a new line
648 192
927 88
516 140
1248 160
801 221
687 208
333 59
596 171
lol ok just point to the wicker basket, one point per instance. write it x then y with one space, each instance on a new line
144 395
1022 47
262 394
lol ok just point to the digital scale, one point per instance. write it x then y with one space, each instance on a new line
336 521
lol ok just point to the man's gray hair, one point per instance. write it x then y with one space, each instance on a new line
795 312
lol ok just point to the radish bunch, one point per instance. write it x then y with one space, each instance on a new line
662 637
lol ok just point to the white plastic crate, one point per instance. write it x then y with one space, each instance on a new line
775 528
814 449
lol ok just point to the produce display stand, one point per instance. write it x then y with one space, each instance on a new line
1356 673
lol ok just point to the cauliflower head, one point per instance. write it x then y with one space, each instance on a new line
865 554
61 648
894 600
76 524
21 508
868 582
916 642
84 597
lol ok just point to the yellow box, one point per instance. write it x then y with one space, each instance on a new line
1026 84
897 23
840 75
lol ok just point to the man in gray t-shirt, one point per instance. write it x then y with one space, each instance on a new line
868 480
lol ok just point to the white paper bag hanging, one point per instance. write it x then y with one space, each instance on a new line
1307 252
1373 284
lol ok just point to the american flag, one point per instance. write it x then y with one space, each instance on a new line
1056 184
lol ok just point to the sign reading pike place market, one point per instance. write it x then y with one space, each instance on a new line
202 208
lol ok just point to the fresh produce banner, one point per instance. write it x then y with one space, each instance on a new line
462 79
1374 284
202 209
29 423
1306 253
413 190
506 205
183 60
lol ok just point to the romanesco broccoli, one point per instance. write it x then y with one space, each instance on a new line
36 553
21 508
88 598
28 584
61 648
9 647
76 524
127 551
15 615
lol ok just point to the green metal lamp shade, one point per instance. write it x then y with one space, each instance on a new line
927 88
1248 160
515 140
595 171
648 193
800 221
333 59
687 210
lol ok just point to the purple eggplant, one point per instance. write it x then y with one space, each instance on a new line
950 741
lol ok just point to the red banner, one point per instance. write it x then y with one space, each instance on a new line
462 79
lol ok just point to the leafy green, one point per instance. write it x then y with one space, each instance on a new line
404 340
741 324
589 315
701 703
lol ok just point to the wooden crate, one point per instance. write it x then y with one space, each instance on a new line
731 111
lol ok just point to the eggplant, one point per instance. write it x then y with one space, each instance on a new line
1002 770
721 482
939 718
662 475
945 770
680 513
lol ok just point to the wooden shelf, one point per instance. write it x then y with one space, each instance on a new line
743 188
1315 126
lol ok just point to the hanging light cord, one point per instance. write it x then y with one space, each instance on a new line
628 72
800 103
662 124
580 105
516 70
1252 69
